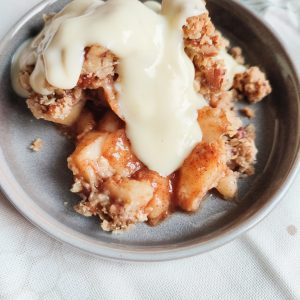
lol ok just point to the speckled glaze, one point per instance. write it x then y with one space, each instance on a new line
38 184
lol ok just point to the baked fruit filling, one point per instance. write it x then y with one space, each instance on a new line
113 183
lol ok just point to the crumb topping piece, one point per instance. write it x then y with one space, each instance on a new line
248 112
201 36
243 151
36 145
253 84
202 44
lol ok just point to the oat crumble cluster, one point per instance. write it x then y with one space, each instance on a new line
111 181
36 145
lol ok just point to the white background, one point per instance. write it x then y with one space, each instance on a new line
262 264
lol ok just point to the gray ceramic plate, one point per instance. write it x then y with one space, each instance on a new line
38 184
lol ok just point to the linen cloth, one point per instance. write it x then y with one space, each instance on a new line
262 264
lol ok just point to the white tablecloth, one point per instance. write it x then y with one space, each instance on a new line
262 264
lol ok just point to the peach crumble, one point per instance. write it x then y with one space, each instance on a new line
116 182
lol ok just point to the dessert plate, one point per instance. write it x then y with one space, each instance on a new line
38 183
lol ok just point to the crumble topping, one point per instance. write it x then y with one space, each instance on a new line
59 107
248 112
201 37
243 151
252 84
36 145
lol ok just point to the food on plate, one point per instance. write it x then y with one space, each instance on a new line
248 112
149 93
36 145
